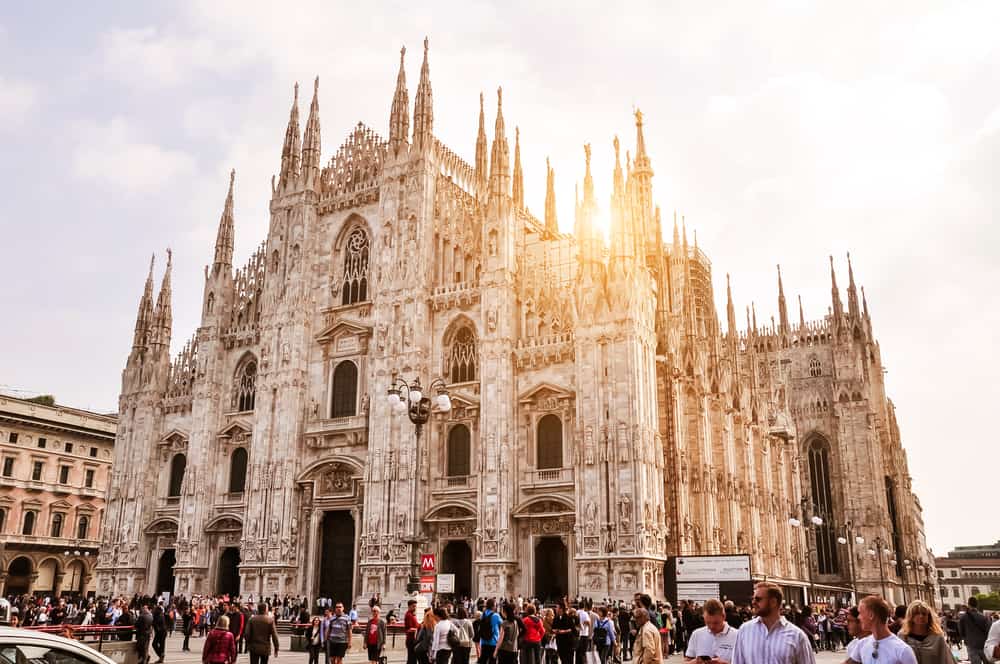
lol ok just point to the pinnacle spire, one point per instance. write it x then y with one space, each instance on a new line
730 309
311 142
838 309
291 152
852 291
802 315
518 193
481 145
399 116
423 108
551 222
144 317
782 306
163 316
224 238
500 156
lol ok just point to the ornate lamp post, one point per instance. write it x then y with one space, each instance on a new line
811 524
880 549
850 539
409 397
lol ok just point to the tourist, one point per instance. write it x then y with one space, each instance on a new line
445 633
532 631
549 638
425 637
566 628
261 633
508 636
375 635
604 634
881 646
489 631
855 633
991 648
220 646
143 632
466 635
159 633
769 638
314 639
921 630
973 627
337 634
715 640
646 649
411 624
187 626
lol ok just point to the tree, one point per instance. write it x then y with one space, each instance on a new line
990 602
43 399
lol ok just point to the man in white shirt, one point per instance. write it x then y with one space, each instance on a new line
583 646
715 640
882 646
769 638
992 648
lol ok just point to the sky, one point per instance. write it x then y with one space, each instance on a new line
783 132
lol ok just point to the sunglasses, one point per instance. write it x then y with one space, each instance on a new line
875 650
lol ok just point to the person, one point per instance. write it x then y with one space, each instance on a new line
236 624
807 623
314 639
375 635
625 633
466 634
973 627
769 637
337 634
565 628
425 638
489 631
603 634
159 633
855 633
881 646
261 633
921 630
584 642
715 640
187 626
549 637
444 632
646 648
411 625
732 615
531 636
508 636
143 633
991 649
220 646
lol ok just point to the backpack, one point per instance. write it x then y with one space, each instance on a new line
423 644
601 632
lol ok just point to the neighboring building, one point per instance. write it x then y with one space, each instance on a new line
601 419
55 464
968 571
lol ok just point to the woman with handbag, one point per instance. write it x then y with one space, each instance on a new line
424 638
314 640
549 638
509 636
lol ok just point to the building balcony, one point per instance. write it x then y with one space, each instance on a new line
454 484
547 478
19 541
461 294
337 432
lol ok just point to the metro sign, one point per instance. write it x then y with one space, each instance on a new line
427 562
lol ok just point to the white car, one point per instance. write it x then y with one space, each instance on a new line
27 646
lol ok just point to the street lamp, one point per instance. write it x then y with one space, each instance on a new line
410 397
814 522
878 551
850 539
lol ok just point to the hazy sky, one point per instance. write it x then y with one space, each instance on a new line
784 132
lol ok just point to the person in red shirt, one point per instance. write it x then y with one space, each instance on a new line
375 635
534 629
412 624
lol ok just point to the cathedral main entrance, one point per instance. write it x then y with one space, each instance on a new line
165 572
229 572
18 577
456 558
551 569
336 570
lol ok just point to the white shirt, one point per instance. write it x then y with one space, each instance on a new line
584 622
440 639
891 650
783 644
704 642
852 650
992 641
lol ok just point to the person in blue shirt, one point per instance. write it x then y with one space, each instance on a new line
489 631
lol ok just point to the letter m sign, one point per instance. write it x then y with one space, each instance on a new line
427 562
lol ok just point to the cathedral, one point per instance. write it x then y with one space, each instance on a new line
587 415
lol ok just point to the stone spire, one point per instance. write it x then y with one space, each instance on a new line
621 236
311 143
838 308
518 192
782 307
144 318
224 238
802 315
500 155
399 116
551 221
423 108
163 315
730 310
291 152
587 236
481 146
642 176
852 292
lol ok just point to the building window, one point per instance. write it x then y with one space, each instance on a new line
345 390
36 471
3 519
177 467
12 437
29 523
815 368
93 452
355 288
462 357
42 443
83 527
245 386
69 448
956 592
550 443
63 474
954 573
940 573
238 470
57 524
822 500
8 467
88 478
944 591
459 452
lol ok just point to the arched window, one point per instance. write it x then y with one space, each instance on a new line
462 357
210 303
356 252
238 470
245 385
344 401
29 523
550 445
815 368
3 519
83 527
822 499
57 525
177 467
459 452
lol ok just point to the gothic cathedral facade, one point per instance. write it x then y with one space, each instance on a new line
601 419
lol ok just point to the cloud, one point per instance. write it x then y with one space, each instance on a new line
117 156
17 100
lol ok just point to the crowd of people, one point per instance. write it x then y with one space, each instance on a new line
526 631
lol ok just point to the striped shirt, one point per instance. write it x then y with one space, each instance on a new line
782 644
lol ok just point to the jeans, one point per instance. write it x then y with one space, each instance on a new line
442 656
531 653
976 656
187 642
258 659
581 650
486 654
460 655
314 654
160 644
566 655
142 646
506 657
